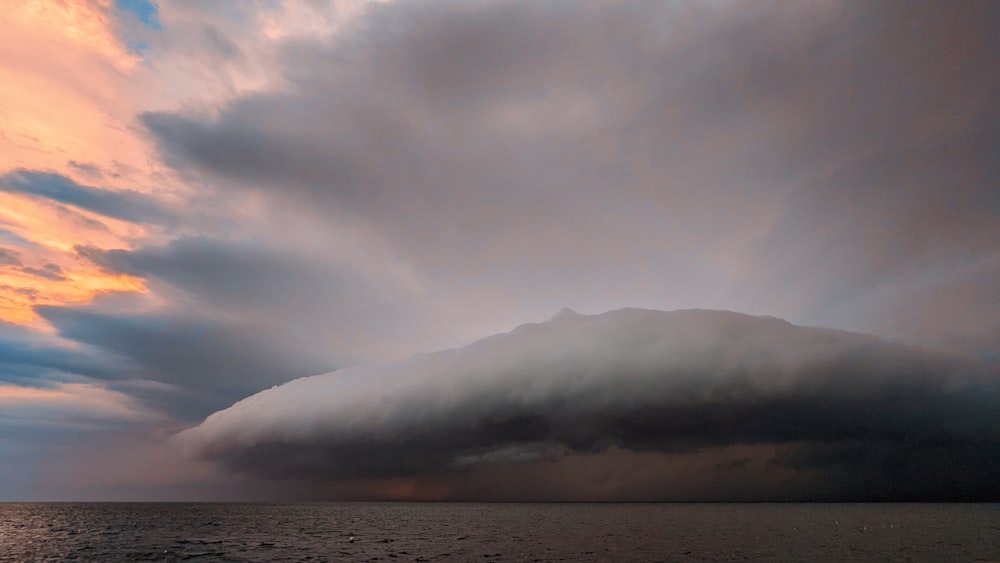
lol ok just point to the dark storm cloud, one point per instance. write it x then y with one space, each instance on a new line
848 408
125 205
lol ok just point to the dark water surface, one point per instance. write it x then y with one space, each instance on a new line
498 532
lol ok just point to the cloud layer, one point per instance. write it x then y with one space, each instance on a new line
660 154
202 200
862 417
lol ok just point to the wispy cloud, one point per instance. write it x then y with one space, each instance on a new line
129 206
67 402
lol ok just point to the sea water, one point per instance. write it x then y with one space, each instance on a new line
498 532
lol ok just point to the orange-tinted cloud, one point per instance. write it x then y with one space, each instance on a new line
64 75
70 399
65 105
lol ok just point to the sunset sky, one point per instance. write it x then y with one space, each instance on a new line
201 200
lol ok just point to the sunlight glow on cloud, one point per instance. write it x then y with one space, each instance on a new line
63 70
303 18
64 106
67 401
81 24
22 292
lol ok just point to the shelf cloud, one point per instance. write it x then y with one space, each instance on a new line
867 418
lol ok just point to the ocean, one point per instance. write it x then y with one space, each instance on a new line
498 532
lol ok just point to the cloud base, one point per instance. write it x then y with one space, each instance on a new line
836 415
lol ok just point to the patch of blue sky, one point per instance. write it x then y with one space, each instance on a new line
146 10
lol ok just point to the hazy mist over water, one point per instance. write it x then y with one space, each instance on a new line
498 532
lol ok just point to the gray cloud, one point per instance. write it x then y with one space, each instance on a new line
499 123
202 362
243 315
844 411
88 168
126 205
9 257
48 271
30 358
327 302
235 273
670 155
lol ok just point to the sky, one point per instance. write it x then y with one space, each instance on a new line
499 250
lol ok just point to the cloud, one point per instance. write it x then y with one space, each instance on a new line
326 302
239 274
845 409
126 205
494 146
49 271
88 169
238 316
355 182
68 401
33 358
9 257
659 155
191 355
